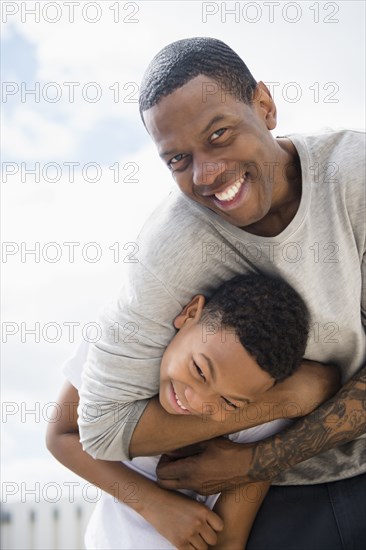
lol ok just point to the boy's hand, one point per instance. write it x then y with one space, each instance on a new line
187 524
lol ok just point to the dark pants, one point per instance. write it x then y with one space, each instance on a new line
329 516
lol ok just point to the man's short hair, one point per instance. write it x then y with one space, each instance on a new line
269 317
180 61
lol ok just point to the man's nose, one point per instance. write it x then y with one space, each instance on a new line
206 172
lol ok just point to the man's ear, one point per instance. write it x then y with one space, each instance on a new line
191 311
263 101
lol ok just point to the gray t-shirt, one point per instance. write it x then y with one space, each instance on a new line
185 249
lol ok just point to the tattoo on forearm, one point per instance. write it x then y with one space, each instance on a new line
334 423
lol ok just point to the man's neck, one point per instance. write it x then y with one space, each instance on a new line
286 195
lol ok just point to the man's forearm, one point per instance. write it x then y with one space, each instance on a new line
338 421
159 432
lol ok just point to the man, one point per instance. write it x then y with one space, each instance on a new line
293 206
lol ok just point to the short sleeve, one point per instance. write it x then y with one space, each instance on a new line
73 366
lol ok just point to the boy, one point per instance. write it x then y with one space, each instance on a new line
249 337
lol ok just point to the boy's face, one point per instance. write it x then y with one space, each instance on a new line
219 149
205 370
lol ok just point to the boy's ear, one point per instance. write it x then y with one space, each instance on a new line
191 311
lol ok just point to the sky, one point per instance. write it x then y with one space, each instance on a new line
80 174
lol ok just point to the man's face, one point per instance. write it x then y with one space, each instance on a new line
219 149
205 370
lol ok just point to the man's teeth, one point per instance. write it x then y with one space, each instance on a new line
179 403
230 193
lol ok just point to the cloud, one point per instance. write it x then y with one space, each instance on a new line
30 136
18 56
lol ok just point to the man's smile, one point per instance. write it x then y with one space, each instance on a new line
230 192
233 195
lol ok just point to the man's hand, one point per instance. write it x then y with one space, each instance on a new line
214 466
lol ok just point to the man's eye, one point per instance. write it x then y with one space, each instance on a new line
229 403
176 159
199 371
217 134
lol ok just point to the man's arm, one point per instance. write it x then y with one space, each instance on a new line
223 465
159 432
121 375
338 421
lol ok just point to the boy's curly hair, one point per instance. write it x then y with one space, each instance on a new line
269 317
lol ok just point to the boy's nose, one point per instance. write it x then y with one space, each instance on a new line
198 401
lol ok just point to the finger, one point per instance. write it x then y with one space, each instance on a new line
215 521
182 452
166 468
165 459
209 535
188 450
169 483
210 488
175 469
199 543
186 483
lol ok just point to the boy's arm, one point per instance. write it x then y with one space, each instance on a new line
238 509
62 440
176 517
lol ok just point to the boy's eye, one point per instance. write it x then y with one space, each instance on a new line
199 371
229 403
217 134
